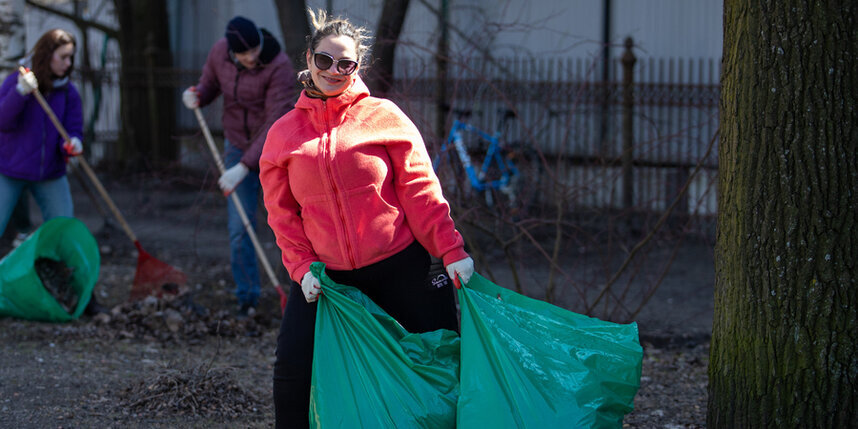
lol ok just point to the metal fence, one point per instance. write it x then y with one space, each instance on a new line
564 107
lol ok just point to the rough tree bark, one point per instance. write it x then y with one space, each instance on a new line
148 101
784 349
380 73
295 28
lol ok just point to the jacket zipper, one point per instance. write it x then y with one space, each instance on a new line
44 148
330 173
235 96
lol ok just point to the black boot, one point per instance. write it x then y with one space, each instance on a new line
245 310
93 307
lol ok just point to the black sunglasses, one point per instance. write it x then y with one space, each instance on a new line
324 61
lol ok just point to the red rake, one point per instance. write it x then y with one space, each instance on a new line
153 277
241 213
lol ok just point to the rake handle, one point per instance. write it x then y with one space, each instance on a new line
235 201
86 168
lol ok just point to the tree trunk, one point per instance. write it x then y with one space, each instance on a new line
380 75
148 99
784 347
295 28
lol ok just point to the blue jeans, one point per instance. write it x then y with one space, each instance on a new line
242 254
53 197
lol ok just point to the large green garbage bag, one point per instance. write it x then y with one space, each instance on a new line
22 293
529 364
369 372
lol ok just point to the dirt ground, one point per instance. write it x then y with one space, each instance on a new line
132 369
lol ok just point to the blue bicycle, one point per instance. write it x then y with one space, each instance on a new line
507 172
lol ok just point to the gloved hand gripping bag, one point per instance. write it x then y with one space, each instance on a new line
368 371
529 364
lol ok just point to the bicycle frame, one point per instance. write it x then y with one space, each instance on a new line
493 155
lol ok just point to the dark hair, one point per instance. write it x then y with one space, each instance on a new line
324 26
43 52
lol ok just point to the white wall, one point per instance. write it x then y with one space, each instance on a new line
570 28
573 28
671 28
197 24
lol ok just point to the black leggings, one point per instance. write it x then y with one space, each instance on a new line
398 284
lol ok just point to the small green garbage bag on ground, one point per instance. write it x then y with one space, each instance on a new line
529 364
369 372
22 293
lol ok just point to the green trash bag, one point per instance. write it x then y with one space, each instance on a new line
22 293
529 364
368 371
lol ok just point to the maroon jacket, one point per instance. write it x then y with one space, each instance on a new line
252 99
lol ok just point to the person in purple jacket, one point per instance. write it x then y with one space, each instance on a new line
32 153
258 84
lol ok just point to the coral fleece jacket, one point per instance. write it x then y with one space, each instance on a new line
348 181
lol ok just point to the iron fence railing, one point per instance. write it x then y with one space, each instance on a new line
569 114
563 108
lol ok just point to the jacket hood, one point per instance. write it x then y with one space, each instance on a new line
353 93
269 52
270 47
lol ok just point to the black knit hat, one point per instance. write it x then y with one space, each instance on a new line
241 34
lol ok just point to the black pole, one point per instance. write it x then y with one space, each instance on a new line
606 73
442 62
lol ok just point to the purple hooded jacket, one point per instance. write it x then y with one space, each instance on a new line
30 145
252 99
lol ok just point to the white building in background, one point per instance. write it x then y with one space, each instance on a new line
505 28
662 28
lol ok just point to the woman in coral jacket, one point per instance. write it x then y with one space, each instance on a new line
347 181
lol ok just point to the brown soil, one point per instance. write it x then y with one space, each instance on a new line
187 361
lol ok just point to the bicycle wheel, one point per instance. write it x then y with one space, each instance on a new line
454 180
498 199
527 190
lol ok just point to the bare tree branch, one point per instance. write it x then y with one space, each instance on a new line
79 21
480 47
657 226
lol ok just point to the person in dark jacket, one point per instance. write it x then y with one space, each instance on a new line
32 153
258 84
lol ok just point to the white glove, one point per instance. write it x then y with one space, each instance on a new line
73 147
27 83
232 177
463 267
190 98
311 286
